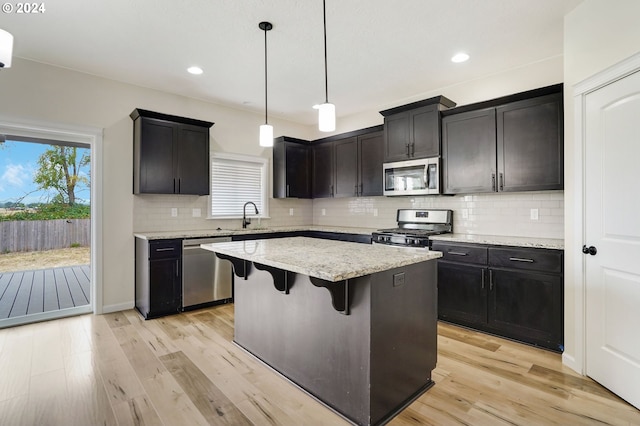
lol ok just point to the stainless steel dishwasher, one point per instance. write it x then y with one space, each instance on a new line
205 278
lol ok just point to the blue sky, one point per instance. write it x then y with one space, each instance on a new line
18 164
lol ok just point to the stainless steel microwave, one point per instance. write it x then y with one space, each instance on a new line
412 177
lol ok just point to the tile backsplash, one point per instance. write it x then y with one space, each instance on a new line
488 214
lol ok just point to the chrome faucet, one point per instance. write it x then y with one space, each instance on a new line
246 221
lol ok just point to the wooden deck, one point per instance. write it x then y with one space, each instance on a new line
31 292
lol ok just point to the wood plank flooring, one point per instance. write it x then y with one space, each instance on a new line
43 290
118 369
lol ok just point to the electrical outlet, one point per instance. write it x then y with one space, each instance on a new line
290 212
174 212
195 213
375 212
324 212
534 214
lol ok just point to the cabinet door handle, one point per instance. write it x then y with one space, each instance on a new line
413 149
166 249
287 190
361 189
501 182
520 259
174 185
331 188
493 182
457 253
490 280
357 190
177 268
407 147
482 272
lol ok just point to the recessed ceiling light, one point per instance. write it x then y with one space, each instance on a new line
459 57
195 70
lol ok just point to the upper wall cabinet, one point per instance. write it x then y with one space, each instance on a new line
170 154
509 144
291 168
348 165
413 130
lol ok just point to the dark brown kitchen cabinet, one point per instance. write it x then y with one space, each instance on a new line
291 168
512 292
322 185
413 130
158 279
171 154
509 144
357 165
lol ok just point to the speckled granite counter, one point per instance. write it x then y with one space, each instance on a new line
230 232
325 259
499 240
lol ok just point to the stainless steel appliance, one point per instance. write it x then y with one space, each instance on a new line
205 278
412 177
414 228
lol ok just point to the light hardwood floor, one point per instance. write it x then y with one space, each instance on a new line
118 369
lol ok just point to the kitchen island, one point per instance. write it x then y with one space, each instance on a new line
352 324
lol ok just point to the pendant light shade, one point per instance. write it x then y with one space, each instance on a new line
6 49
326 117
326 111
266 135
266 130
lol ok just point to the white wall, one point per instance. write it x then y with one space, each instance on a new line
34 91
598 34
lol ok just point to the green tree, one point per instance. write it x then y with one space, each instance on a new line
61 169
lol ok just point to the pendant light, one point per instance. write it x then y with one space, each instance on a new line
266 130
6 49
326 111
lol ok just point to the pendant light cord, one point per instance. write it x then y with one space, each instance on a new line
326 78
265 76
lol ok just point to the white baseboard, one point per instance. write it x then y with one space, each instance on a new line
107 309
570 361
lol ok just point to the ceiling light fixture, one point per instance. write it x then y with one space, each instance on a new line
266 130
326 111
6 49
195 70
460 57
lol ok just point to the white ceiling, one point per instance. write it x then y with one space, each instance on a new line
380 52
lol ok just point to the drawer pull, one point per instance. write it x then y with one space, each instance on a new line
482 271
457 253
166 249
520 259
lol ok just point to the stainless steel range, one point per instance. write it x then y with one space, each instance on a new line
414 228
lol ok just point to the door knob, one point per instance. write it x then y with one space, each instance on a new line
589 250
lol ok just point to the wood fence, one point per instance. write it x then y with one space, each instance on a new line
37 235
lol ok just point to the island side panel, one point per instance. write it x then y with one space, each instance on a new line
303 337
403 335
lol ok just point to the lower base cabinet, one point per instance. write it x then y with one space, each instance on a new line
158 277
508 291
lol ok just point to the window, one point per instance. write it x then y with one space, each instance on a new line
236 179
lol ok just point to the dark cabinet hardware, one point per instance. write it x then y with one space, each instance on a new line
457 253
589 250
519 259
490 279
493 181
482 273
501 181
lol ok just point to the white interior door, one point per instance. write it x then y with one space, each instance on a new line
612 226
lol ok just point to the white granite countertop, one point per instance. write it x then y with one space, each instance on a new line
325 259
201 233
500 240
